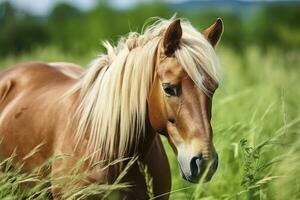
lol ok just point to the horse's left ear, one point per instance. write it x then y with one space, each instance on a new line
172 37
214 32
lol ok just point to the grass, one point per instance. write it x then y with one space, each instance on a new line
256 129
256 122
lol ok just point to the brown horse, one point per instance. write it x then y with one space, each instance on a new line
161 81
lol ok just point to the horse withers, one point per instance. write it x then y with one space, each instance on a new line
161 81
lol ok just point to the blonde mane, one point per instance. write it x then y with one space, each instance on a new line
114 90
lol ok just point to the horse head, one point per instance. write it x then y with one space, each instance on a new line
180 98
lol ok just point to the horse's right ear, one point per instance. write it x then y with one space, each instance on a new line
172 37
214 32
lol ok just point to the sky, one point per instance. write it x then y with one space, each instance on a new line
43 7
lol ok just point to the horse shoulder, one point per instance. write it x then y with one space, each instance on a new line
30 106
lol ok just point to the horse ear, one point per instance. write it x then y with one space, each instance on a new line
172 37
214 32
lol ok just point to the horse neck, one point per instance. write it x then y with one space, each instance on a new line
143 140
146 142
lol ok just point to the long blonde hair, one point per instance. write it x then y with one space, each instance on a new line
114 90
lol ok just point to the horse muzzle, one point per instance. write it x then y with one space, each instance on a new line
198 168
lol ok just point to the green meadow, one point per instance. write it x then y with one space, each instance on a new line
256 110
256 125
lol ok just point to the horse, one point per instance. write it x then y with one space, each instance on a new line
156 83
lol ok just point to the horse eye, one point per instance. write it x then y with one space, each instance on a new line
170 90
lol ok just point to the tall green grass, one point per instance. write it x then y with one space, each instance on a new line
256 122
16 184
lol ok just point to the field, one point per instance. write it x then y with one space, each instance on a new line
256 122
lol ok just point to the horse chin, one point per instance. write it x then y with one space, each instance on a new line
198 179
189 179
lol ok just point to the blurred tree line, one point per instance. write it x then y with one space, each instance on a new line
77 32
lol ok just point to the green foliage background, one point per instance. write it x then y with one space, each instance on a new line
76 32
256 111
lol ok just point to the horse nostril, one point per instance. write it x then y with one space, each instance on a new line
196 165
